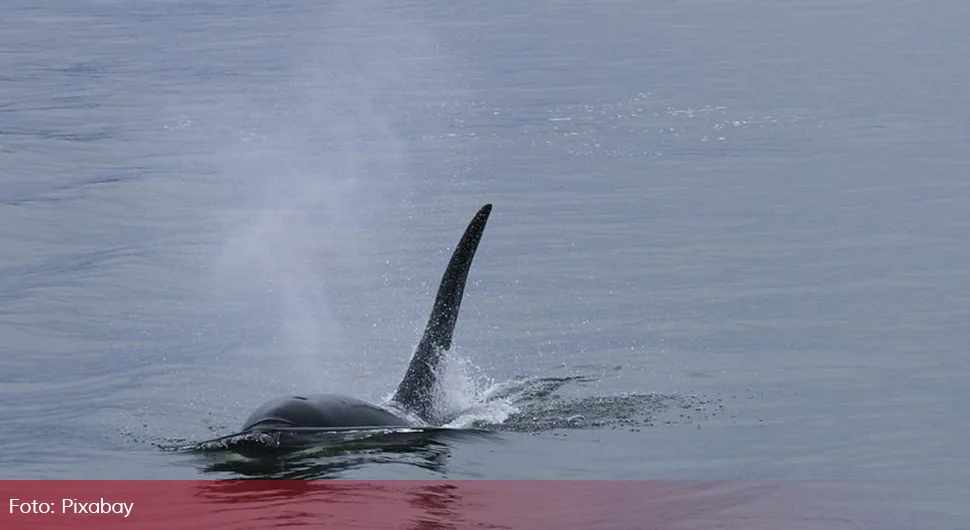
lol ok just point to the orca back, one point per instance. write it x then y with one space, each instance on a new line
321 411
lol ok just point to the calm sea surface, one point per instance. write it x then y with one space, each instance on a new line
729 239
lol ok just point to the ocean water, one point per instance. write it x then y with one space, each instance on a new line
728 240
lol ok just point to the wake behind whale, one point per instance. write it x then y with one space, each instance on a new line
292 422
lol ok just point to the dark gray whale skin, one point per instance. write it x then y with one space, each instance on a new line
415 393
321 411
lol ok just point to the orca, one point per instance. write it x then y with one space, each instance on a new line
412 404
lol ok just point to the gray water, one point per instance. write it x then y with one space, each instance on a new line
729 238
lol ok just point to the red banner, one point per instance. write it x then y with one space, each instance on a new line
427 505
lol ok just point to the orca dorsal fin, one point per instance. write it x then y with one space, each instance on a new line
417 389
